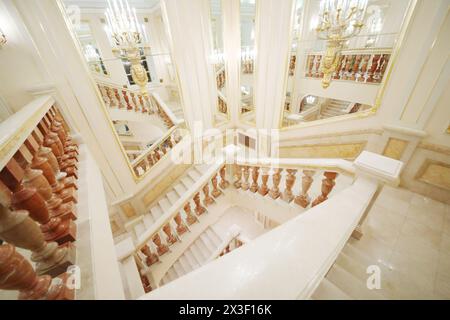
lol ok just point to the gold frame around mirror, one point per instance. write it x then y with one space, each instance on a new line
227 90
62 9
412 5
255 66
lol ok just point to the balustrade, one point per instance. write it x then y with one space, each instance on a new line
260 185
142 164
38 196
363 67
222 105
182 215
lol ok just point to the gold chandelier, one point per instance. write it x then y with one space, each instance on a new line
128 36
339 20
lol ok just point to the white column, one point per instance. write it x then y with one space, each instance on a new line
191 47
273 22
76 91
232 49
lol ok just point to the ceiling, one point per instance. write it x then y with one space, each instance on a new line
102 4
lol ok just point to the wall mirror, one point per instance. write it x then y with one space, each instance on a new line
125 45
221 113
341 52
248 55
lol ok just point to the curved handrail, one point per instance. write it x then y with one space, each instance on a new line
167 110
178 205
338 165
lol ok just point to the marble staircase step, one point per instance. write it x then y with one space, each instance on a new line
328 291
208 243
351 285
214 237
191 259
179 269
148 220
180 189
196 253
172 196
165 204
185 263
156 212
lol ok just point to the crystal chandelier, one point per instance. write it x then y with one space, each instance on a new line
339 20
127 37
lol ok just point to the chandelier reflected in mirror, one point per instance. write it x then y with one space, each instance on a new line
339 21
128 38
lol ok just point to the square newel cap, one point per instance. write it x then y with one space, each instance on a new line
379 167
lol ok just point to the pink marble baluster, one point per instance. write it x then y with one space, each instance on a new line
290 181
199 209
276 179
245 185
223 180
207 200
255 176
161 247
303 199
264 189
190 218
238 176
327 186
216 192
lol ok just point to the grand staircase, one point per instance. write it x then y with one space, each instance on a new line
334 108
195 256
163 204
346 280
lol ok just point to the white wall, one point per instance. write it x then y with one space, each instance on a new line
20 67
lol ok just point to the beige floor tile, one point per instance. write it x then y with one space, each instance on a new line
384 225
447 223
396 205
442 285
445 244
420 234
428 204
373 248
431 218
398 193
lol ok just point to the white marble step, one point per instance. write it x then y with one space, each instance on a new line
197 254
148 220
156 212
191 259
165 204
172 274
351 285
328 291
194 174
187 181
185 264
139 229
208 243
179 269
202 168
214 237
172 196
180 189
201 250
206 249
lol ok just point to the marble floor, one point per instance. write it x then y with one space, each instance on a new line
408 236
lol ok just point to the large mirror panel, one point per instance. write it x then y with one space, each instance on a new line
125 45
248 55
221 113
341 52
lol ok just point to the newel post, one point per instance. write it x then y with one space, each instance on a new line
379 169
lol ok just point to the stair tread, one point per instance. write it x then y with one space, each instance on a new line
214 237
172 196
148 220
165 204
197 255
351 285
202 249
179 269
156 212
191 259
194 174
328 291
207 242
187 181
185 264
139 229
180 189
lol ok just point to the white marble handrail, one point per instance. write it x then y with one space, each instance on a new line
233 233
290 261
15 130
